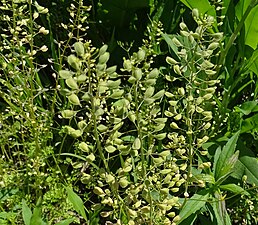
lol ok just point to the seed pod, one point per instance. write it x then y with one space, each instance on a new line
103 49
148 101
136 144
113 84
71 83
173 125
127 65
210 72
145 209
178 117
159 95
153 74
99 112
67 114
150 82
79 48
176 42
184 33
110 149
84 147
123 182
111 70
110 178
73 99
86 97
195 13
160 136
132 213
169 95
138 74
171 61
76 133
132 80
102 128
104 58
173 103
65 74
213 46
117 94
82 125
141 55
149 92
207 96
171 214
158 161
199 100
81 78
210 90
207 113
160 120
181 91
98 191
183 26
207 126
74 62
212 82
131 116
177 69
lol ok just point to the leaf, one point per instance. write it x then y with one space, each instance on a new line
247 107
226 154
203 6
195 203
77 202
251 31
234 189
65 222
249 124
36 216
205 177
26 213
170 43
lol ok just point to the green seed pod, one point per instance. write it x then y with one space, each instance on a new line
162 206
158 161
153 74
79 48
207 118
104 58
199 100
86 97
127 65
110 149
98 191
117 94
171 214
110 179
210 90
160 136
136 144
73 99
150 82
169 95
102 128
99 112
71 83
138 74
207 126
84 147
165 171
159 95
195 13
65 74
82 125
141 55
148 101
167 179
178 117
145 209
213 46
160 120
210 72
181 91
176 42
149 92
183 26
113 84
132 213
173 103
207 96
132 80
111 70
76 133
199 109
173 125
74 62
212 82
169 114
184 33
67 114
103 49
171 61
207 113
81 78
100 69
131 116
123 182
177 69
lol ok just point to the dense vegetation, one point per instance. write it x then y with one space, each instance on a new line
128 112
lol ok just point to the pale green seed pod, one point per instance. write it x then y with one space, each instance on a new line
73 99
171 214
183 26
127 65
153 74
145 209
178 117
141 55
158 161
177 70
81 78
86 97
84 147
210 72
71 83
212 82
113 84
160 136
213 46
74 62
138 74
98 191
169 95
79 48
208 96
110 149
181 91
174 190
102 128
176 42
148 101
104 58
117 94
171 61
82 125
65 74
132 80
195 13
76 133
103 49
131 116
173 125
123 182
136 144
67 114
111 70
173 103
149 92
110 178
150 82
207 126
159 95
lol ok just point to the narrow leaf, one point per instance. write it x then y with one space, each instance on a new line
234 189
65 222
26 213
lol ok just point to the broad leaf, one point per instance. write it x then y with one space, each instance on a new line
234 189
26 213
250 124
77 202
65 222
195 203
226 154
247 107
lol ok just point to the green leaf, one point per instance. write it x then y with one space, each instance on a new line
170 43
195 203
36 216
251 31
226 154
65 222
247 107
205 177
203 6
234 189
26 213
77 202
250 124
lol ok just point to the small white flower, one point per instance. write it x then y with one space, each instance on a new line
44 48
